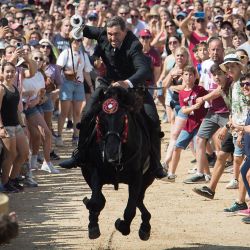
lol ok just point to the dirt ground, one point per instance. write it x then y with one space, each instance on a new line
52 216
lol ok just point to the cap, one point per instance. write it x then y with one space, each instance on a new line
218 17
92 15
230 58
33 43
15 26
227 23
145 32
45 40
181 14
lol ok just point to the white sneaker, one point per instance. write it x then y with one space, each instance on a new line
170 178
207 177
59 141
48 167
233 184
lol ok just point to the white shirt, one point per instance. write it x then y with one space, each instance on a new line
138 27
81 62
34 83
206 77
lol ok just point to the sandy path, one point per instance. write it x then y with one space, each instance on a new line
52 216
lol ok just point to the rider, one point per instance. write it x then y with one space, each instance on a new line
126 67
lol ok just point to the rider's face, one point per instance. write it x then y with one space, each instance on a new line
116 36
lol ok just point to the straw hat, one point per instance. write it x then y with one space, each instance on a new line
230 58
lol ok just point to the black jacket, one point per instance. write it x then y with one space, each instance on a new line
128 62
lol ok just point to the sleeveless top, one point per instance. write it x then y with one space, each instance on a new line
9 107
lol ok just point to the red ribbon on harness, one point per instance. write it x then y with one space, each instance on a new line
110 106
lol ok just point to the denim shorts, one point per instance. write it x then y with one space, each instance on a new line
185 138
32 111
237 150
72 91
179 113
48 105
13 131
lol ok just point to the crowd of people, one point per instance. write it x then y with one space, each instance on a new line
199 52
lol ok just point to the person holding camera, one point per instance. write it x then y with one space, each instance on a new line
75 67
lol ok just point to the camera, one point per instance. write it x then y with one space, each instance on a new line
4 22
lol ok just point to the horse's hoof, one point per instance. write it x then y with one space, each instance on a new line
85 201
144 235
94 232
122 227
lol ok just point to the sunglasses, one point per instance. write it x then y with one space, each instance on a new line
210 27
243 84
172 42
132 16
46 46
123 13
242 57
154 16
36 58
200 20
20 18
170 25
184 2
145 37
48 34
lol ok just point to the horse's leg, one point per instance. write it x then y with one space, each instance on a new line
95 204
134 187
145 227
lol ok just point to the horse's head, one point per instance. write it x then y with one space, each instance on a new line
112 123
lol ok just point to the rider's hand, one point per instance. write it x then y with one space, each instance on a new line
122 84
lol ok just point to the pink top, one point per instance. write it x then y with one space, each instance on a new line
194 40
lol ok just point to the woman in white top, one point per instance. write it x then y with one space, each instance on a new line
72 89
34 114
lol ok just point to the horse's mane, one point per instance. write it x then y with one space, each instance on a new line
128 99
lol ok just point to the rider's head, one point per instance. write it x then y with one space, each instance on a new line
116 31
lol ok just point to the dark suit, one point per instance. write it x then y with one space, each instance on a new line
126 63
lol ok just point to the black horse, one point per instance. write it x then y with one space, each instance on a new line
119 153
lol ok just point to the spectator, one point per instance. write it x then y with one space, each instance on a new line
11 130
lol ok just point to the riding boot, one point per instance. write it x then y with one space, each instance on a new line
79 154
158 169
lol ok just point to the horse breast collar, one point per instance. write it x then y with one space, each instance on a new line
110 106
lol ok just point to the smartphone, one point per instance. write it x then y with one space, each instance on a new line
199 14
229 11
4 22
19 45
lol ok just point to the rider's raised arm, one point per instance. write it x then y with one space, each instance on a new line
143 70
92 32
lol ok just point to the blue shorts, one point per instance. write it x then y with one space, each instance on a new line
32 111
185 138
48 106
237 150
72 91
179 113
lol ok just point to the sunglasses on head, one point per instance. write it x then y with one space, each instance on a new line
243 84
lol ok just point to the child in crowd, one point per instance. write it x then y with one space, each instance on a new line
195 111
